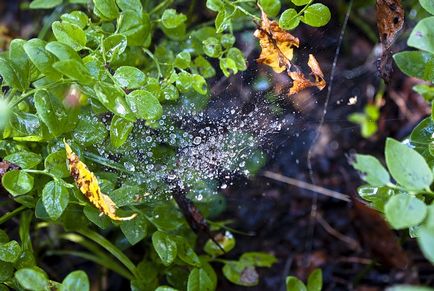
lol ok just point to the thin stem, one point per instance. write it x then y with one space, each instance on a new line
243 10
151 55
100 261
160 6
102 241
44 172
11 214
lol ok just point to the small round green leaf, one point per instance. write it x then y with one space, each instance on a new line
32 279
314 282
17 182
76 280
270 7
294 284
417 64
135 229
241 274
70 34
25 160
317 15
199 280
404 210
172 19
55 198
212 47
165 247
422 36
129 77
289 19
6 271
10 251
373 171
144 105
55 163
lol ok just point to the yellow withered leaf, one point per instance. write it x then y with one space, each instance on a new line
88 185
277 52
276 43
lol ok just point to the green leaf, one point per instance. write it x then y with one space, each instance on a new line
55 163
241 274
21 61
428 5
113 99
270 7
226 242
10 251
32 279
172 19
199 84
198 280
44 4
215 5
426 91
129 77
89 131
314 282
186 252
135 229
165 288
69 34
144 105
183 60
17 182
105 9
134 27
6 271
41 58
76 280
55 198
24 159
289 19
258 259
114 45
78 18
94 215
223 21
317 15
407 166
53 113
165 247
408 287
135 5
119 130
238 57
12 75
300 2
228 66
294 284
373 171
75 70
212 47
62 51
227 40
404 210
422 36
169 92
206 70
416 64
426 242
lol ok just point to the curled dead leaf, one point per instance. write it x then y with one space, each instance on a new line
88 185
277 52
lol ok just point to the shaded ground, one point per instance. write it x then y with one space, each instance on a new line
278 215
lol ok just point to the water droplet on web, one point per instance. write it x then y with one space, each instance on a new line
130 167
197 140
223 186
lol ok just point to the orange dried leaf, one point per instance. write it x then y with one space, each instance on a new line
88 185
300 82
276 44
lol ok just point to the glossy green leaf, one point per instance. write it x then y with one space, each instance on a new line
114 45
11 74
24 159
212 47
183 60
223 21
314 282
169 92
294 284
228 66
44 4
270 7
62 51
10 251
54 114
300 2
240 273
134 27
316 15
226 242
17 182
165 247
186 252
106 9
129 77
372 170
119 130
237 56
135 229
144 105
75 70
172 19
199 84
21 62
416 64
89 131
206 70
78 18
215 5
55 163
135 5
94 215
32 279
404 210
227 40
55 198
258 259
409 288
198 280
41 58
428 5
6 271
69 34
113 99
422 36
407 166
76 280
289 19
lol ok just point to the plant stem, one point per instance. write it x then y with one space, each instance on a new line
151 55
11 214
102 241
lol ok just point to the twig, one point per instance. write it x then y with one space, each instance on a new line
353 244
307 186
